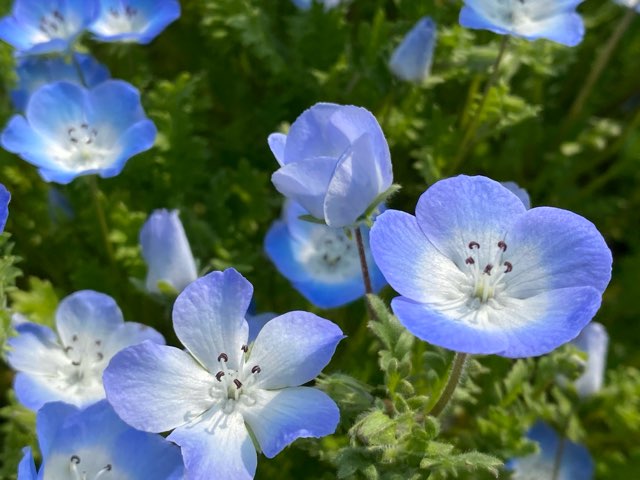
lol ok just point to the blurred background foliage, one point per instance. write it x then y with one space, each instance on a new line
230 72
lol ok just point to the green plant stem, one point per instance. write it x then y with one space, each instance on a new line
365 272
474 123
95 194
455 373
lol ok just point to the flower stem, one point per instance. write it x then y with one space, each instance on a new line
474 123
455 373
95 194
368 289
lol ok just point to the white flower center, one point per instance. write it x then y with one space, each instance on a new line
232 386
523 15
533 467
80 150
331 255
487 278
81 366
79 471
54 26
123 19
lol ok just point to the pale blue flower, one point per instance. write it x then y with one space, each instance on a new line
34 72
594 341
68 130
208 392
479 273
555 20
629 4
321 262
5 198
575 461
166 250
67 365
138 21
335 162
306 4
411 60
94 444
46 26
519 192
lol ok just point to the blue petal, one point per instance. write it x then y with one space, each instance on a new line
576 463
593 340
411 60
32 391
519 192
32 348
115 107
5 198
331 295
49 421
257 323
164 14
15 34
144 456
217 443
93 72
279 246
147 386
27 467
293 348
470 18
128 334
208 317
137 139
282 416
566 29
277 142
18 137
54 107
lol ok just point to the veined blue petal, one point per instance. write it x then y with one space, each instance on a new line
293 348
27 467
279 417
208 317
519 192
18 137
277 143
156 388
115 106
411 60
5 198
257 323
280 247
594 341
50 420
33 391
138 138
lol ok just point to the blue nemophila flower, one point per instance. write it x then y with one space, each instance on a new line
46 26
94 444
334 162
321 262
138 21
574 461
68 130
223 386
594 341
166 250
519 192
555 20
411 60
306 4
34 72
67 365
5 198
479 273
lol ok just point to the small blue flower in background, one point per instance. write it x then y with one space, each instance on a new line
629 3
321 262
575 461
594 341
207 393
60 208
531 19
479 273
67 366
5 198
68 130
94 444
166 250
306 4
46 26
519 192
334 162
411 60
138 21
34 72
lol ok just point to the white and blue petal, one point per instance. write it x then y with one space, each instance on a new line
519 192
277 143
594 341
49 422
27 467
411 60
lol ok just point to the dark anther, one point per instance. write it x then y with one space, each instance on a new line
488 268
76 364
68 349
219 376
71 130
58 15
473 245
244 348
75 459
98 343
256 369
100 356
74 338
469 261
84 126
108 467
223 356
509 267
502 246
237 383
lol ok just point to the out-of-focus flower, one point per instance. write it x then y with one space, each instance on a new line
68 130
46 26
306 4
575 463
321 262
5 198
594 341
335 162
531 19
629 3
519 192
60 208
229 381
67 366
95 444
411 60
479 273
166 250
34 72
138 21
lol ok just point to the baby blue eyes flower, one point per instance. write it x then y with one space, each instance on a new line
411 60
166 250
575 461
94 444
555 20
5 198
46 26
222 385
479 273
594 341
321 262
35 72
138 21
69 131
306 4
334 162
67 365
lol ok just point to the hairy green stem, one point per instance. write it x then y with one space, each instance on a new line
455 373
